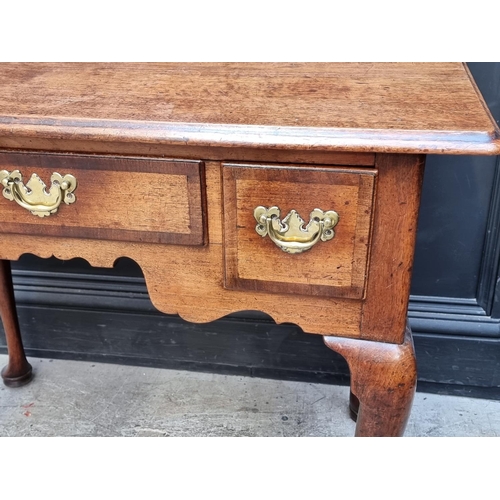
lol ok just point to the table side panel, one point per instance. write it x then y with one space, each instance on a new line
392 248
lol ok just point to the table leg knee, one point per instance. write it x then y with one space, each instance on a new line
383 383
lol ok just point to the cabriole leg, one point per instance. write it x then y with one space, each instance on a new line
383 383
18 371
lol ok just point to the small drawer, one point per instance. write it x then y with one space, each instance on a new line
116 198
272 249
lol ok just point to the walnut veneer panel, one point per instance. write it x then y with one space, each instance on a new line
127 199
382 107
334 268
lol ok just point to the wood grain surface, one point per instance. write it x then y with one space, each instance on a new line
336 268
383 382
381 107
188 280
18 371
374 122
399 185
127 199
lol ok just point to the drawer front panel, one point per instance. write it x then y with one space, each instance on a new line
117 198
336 267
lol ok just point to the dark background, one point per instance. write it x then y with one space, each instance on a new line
71 310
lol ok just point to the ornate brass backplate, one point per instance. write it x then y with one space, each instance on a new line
34 195
290 235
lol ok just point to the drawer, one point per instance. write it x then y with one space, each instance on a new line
273 250
117 198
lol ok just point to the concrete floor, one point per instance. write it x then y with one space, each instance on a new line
75 398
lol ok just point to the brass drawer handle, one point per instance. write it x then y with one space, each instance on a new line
34 196
290 234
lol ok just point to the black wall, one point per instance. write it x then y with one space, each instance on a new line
70 310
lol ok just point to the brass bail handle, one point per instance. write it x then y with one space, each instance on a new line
289 234
34 195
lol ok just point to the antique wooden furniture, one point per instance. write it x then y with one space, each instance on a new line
287 188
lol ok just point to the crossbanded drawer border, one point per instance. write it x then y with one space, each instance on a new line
193 170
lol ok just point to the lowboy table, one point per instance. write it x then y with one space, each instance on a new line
292 189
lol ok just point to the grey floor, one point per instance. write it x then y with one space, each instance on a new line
75 398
